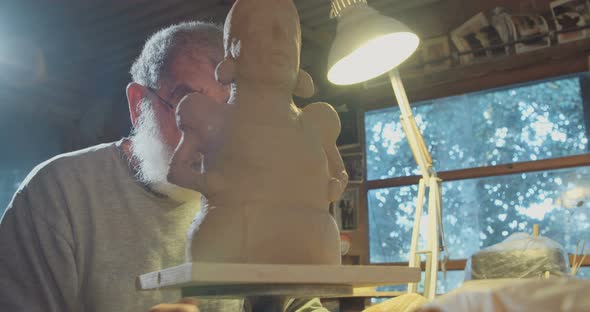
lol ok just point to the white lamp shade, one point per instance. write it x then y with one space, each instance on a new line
368 44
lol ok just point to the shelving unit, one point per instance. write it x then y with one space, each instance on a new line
485 73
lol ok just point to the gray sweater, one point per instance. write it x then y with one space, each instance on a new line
80 229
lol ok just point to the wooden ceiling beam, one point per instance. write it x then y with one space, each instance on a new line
303 5
319 38
119 9
128 50
139 25
134 37
316 13
126 56
131 18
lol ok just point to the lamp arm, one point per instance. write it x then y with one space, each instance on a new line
415 139
436 238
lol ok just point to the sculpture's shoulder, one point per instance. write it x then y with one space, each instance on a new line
323 116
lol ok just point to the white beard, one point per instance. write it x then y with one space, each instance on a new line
153 156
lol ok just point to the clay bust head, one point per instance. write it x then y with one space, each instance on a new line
262 41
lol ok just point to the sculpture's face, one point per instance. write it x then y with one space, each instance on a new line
269 39
189 73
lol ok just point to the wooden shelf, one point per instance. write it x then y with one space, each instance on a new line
483 74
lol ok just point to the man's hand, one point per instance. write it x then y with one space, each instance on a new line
184 305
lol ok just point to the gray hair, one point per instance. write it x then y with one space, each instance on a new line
152 65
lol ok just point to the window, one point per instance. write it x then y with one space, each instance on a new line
532 122
509 158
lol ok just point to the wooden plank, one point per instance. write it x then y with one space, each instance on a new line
371 292
267 290
586 262
135 35
228 274
319 38
459 264
303 5
452 264
489 171
318 13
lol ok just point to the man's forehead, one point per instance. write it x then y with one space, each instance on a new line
204 55
188 67
193 61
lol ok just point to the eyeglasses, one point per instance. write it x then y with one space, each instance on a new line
153 91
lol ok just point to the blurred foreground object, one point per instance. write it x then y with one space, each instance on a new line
519 256
524 295
403 303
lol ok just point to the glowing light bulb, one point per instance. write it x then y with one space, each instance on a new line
375 57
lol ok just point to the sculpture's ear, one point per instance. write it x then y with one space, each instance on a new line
225 72
304 87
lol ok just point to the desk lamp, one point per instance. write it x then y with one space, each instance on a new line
368 44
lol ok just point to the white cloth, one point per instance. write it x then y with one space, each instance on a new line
81 228
523 295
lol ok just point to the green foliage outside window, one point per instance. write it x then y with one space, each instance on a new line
537 121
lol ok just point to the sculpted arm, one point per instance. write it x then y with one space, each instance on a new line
199 120
326 120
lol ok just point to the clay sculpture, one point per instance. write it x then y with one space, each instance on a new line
267 177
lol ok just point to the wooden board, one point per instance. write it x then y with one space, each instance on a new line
267 290
232 279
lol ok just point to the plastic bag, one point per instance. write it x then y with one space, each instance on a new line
519 256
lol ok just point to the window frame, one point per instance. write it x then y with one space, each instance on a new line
480 172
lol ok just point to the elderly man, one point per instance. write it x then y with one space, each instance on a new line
83 225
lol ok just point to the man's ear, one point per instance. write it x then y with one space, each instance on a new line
225 72
135 93
304 87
